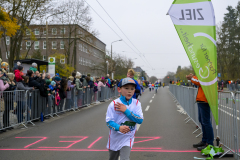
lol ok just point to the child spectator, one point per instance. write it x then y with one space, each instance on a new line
122 116
19 73
52 86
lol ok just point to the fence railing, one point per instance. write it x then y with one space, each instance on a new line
227 133
24 107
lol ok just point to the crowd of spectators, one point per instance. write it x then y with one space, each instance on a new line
58 90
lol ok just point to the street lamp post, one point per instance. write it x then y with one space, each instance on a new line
111 52
107 66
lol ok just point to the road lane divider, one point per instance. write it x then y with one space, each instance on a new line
150 101
147 108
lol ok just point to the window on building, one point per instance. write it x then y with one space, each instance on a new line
79 60
28 32
62 45
36 45
44 45
62 59
80 32
80 47
36 31
54 31
44 31
84 48
44 58
28 44
83 62
54 45
8 40
62 31
7 54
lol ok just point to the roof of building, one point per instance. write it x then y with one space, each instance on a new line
30 61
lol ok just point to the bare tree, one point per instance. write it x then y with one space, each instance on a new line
25 11
77 18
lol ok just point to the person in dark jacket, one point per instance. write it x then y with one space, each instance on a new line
39 84
16 66
62 87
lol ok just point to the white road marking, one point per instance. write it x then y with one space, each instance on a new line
150 101
147 108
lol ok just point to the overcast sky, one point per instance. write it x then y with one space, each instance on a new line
149 28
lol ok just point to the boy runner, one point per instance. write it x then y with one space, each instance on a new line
122 116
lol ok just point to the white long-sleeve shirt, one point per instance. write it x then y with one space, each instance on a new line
116 139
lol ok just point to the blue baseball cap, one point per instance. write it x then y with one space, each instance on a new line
126 81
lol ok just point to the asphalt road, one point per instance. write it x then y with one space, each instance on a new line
83 135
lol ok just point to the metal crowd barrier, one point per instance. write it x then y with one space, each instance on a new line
227 133
22 107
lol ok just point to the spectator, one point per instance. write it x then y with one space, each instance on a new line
20 98
74 76
69 93
57 80
107 77
101 84
34 67
8 101
2 88
90 82
62 87
32 82
84 81
52 86
95 90
16 66
2 85
19 73
79 91
204 116
48 76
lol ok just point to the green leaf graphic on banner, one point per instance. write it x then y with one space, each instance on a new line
194 21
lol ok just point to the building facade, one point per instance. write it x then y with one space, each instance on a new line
78 47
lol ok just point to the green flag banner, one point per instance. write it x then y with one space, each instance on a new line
194 21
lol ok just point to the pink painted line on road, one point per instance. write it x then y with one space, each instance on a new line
151 139
90 146
146 148
73 142
42 138
104 150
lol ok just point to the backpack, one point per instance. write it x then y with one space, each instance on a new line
95 89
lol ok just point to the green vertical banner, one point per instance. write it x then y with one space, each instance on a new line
194 21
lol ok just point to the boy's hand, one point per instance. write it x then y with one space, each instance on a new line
120 107
124 129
